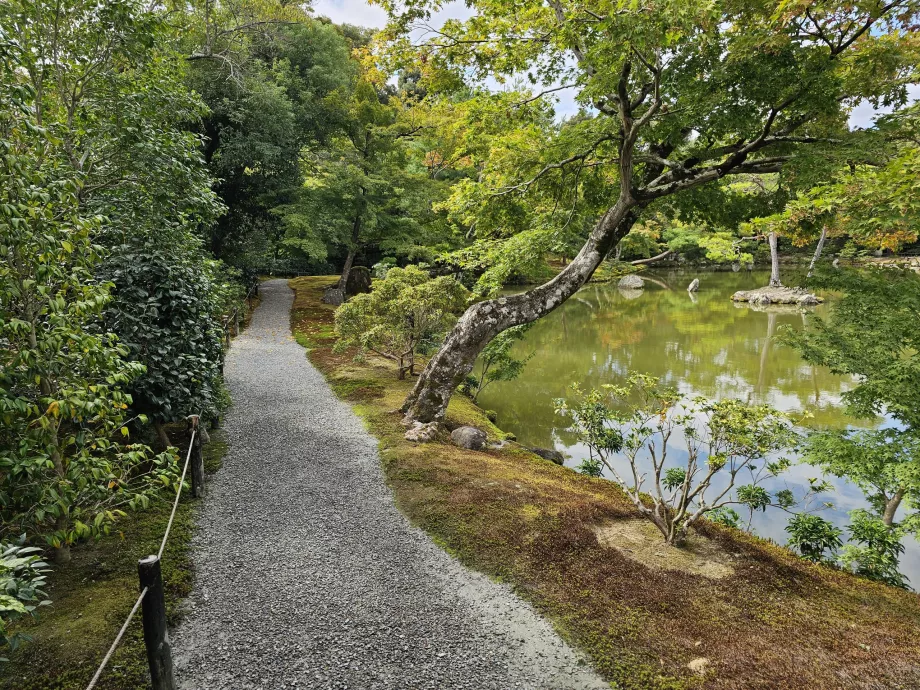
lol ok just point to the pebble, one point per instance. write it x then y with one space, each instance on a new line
306 575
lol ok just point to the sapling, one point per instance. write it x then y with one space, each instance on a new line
726 442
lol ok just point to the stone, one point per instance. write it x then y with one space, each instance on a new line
777 295
551 455
468 437
694 286
359 280
835 263
631 282
699 665
492 416
333 295
422 433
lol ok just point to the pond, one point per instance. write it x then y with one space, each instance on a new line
703 344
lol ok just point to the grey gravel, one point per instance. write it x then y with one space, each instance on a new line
307 576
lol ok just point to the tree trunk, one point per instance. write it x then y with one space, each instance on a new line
891 507
483 321
650 260
352 250
162 435
774 262
818 250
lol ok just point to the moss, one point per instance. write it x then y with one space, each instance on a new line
775 622
93 594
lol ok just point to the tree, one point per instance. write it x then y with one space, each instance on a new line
62 380
723 439
405 312
872 334
871 199
281 91
681 96
109 85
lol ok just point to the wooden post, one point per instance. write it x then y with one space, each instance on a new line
156 636
196 460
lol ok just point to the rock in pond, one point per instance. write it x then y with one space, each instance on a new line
694 286
631 282
468 437
777 295
548 454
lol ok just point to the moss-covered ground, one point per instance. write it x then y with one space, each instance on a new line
774 622
93 594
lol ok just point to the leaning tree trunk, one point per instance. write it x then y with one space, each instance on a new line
818 250
774 262
483 321
352 250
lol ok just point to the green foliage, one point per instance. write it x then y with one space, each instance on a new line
723 439
110 89
725 516
876 549
22 581
872 200
872 334
813 537
62 383
734 108
593 467
496 361
403 314
884 464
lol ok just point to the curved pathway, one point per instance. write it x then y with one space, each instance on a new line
307 576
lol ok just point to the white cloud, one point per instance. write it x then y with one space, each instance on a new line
863 114
357 12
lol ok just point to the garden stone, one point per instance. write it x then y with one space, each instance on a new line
422 433
551 455
359 281
631 282
333 295
694 286
468 437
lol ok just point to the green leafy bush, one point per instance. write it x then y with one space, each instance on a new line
22 582
403 314
815 538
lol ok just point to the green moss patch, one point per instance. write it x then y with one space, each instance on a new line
93 594
774 621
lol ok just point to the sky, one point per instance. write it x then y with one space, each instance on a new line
361 13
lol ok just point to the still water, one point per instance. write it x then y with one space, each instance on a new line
703 344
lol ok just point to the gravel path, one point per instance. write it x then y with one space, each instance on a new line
306 574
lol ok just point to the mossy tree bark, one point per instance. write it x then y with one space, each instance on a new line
483 321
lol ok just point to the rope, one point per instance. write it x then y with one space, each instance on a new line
121 633
140 598
178 494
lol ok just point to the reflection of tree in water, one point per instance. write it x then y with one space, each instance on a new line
707 347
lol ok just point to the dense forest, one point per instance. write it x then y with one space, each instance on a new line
157 158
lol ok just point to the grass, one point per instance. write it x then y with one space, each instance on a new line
93 594
774 622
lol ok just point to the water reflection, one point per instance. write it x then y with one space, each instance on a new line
702 343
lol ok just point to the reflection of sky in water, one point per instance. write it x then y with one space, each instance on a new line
707 347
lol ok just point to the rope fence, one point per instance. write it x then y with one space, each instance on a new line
151 599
